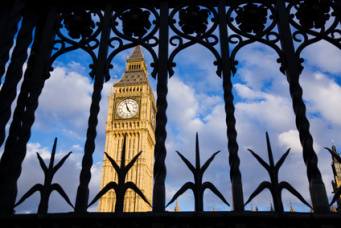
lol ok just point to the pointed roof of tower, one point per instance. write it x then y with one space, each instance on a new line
271 208
136 69
291 208
137 53
177 208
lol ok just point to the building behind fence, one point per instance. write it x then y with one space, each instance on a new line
277 24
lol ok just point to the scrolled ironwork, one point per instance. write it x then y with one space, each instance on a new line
9 19
137 29
82 33
89 148
197 186
120 26
121 186
313 14
193 19
293 71
46 189
14 71
255 21
24 114
274 185
337 193
135 22
314 21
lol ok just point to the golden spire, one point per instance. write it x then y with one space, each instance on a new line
333 208
213 208
291 208
137 53
256 206
252 207
333 147
136 69
177 208
271 208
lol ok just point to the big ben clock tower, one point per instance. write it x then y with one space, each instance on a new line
131 112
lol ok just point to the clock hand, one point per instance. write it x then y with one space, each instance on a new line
127 106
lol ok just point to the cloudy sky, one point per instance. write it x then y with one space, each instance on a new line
195 104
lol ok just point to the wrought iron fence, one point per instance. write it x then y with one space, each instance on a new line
278 24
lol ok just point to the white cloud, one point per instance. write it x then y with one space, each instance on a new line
65 100
33 174
324 56
323 95
262 104
77 147
290 139
274 112
258 67
183 105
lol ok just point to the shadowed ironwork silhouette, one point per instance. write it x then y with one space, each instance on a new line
274 187
121 186
198 187
46 189
337 193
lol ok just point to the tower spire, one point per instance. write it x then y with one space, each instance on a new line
177 208
137 53
291 208
136 69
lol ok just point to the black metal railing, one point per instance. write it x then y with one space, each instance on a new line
278 24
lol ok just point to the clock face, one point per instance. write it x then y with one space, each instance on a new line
127 108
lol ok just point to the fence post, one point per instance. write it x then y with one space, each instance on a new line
235 175
9 19
316 186
82 197
159 192
23 117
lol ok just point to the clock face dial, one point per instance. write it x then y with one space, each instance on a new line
127 108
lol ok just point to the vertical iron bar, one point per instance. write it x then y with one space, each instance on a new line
23 117
89 148
316 186
15 71
159 192
8 27
234 161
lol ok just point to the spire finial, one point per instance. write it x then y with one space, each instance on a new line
291 208
271 208
333 208
177 208
137 53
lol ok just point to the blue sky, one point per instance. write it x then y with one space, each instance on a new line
195 100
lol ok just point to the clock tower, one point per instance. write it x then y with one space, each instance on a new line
131 112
